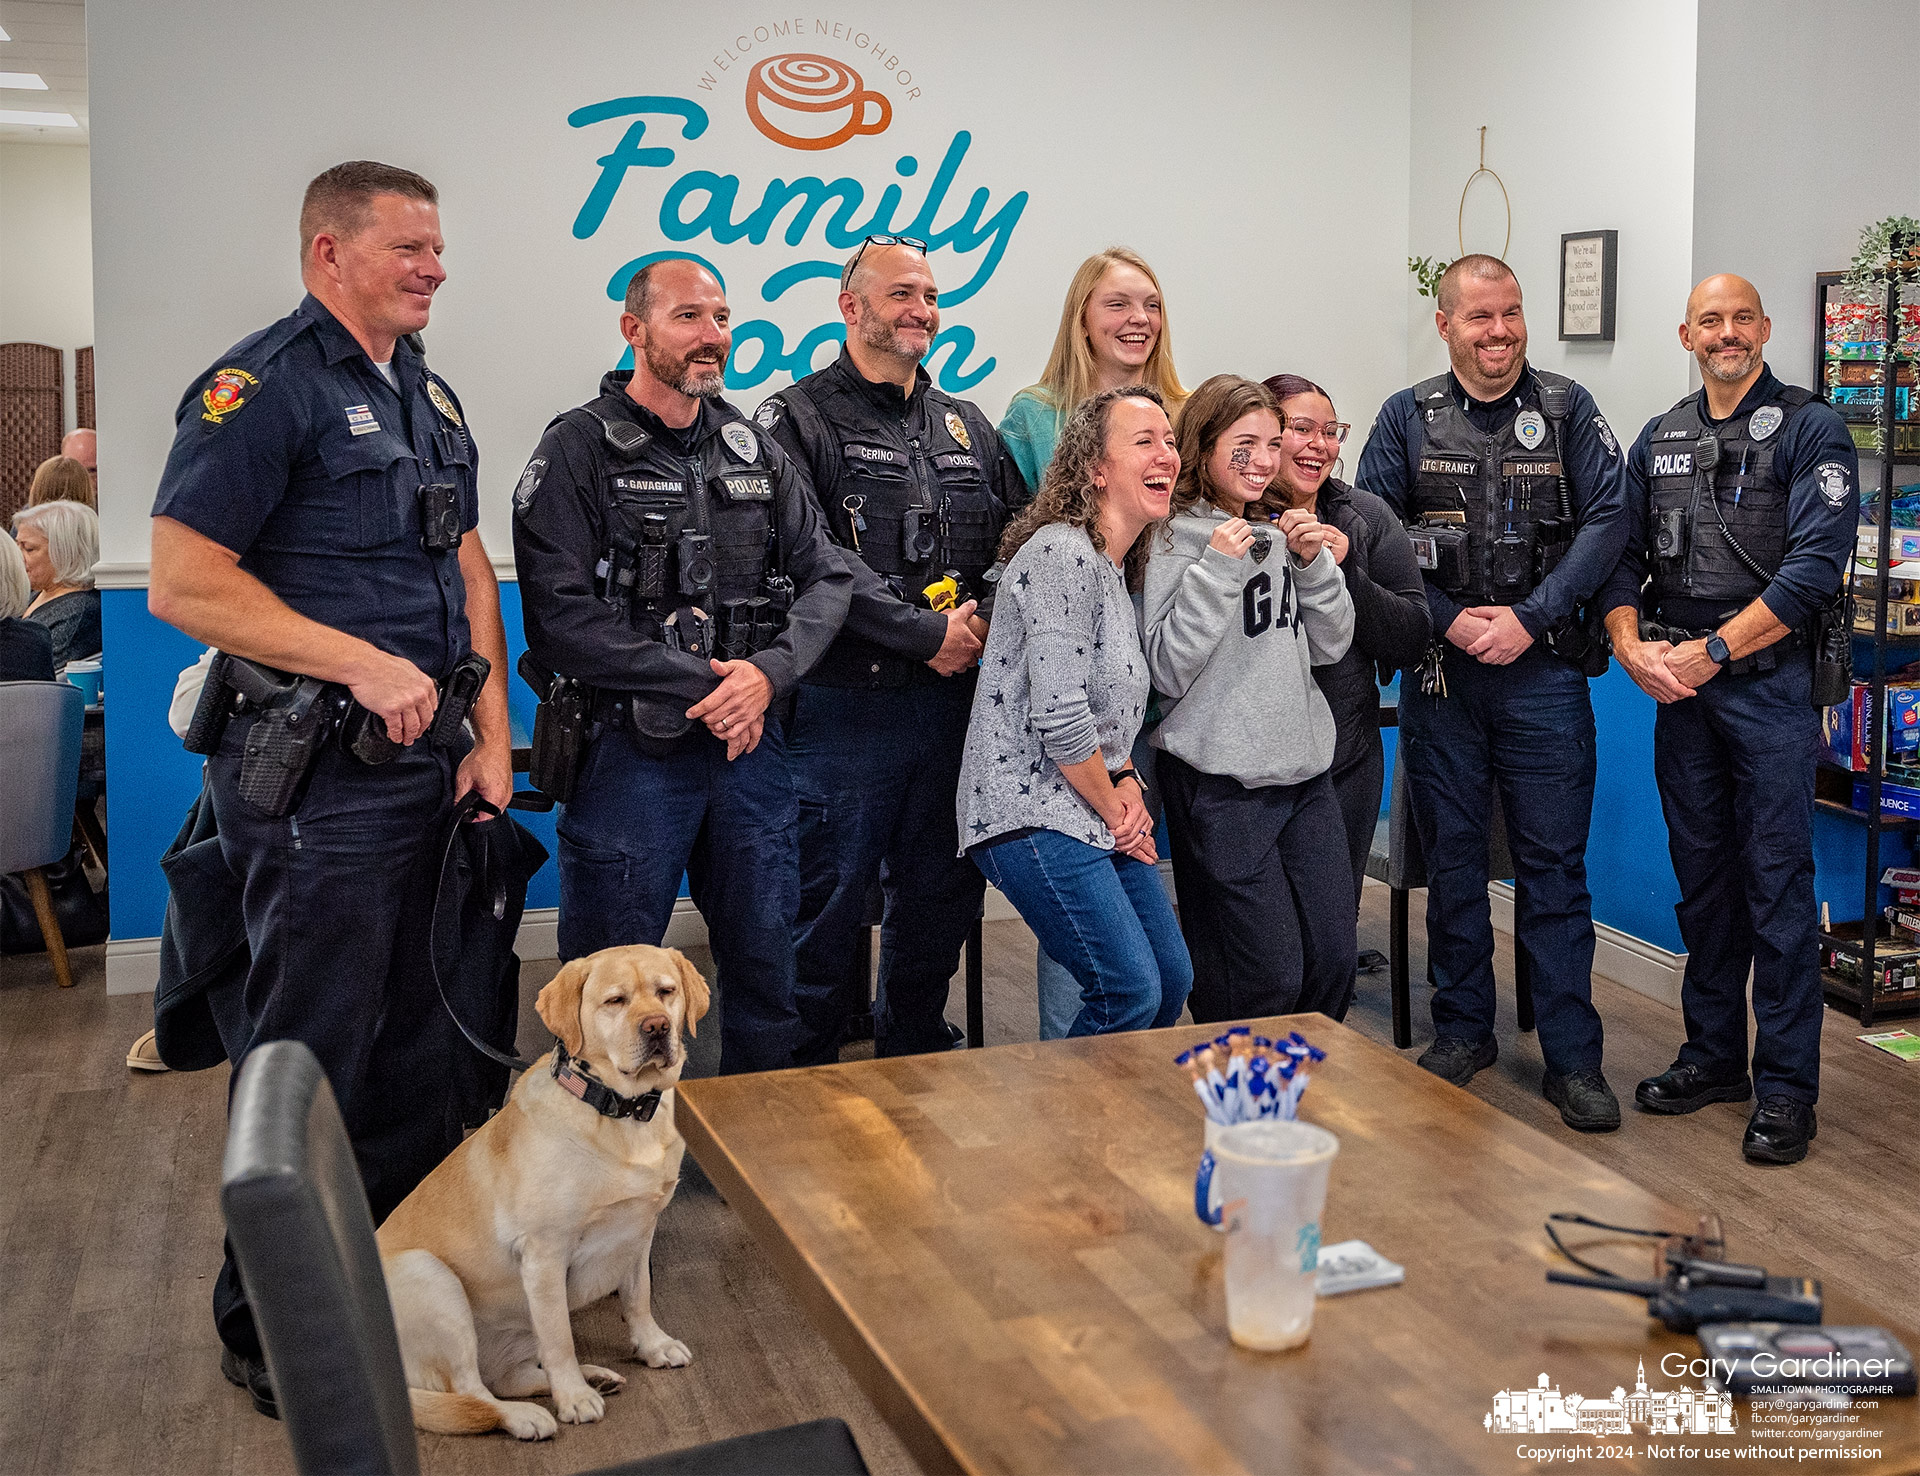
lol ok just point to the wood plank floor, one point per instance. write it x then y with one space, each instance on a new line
109 1231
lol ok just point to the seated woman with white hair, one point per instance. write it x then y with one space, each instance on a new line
60 542
26 649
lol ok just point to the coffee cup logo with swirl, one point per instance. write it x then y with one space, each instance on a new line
813 102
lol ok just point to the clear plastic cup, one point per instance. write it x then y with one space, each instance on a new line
1273 1186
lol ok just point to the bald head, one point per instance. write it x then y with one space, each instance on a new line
83 446
675 279
1727 291
1726 330
892 311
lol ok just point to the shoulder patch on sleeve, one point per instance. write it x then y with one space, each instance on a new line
529 483
225 393
1605 432
767 417
1835 484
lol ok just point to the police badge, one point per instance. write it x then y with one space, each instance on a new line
740 441
1765 421
1530 428
442 402
957 428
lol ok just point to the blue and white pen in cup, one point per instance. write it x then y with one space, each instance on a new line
1242 1077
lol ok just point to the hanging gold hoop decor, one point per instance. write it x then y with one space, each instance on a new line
1460 225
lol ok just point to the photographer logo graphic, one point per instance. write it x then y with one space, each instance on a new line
1544 1410
806 101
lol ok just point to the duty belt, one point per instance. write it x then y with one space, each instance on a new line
1765 659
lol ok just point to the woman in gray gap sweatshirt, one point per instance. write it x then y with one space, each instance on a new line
1050 809
1243 598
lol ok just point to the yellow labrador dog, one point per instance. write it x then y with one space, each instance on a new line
549 1207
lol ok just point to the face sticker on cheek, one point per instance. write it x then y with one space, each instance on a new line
1241 459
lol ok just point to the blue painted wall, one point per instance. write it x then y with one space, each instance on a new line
152 781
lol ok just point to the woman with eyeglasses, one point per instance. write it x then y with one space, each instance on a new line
1051 809
1113 332
1391 626
1243 598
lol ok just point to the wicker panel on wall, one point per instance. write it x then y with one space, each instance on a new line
30 417
83 388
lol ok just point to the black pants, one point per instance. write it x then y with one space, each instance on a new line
1266 894
1735 767
875 774
338 899
1357 788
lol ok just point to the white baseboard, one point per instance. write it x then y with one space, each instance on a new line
133 964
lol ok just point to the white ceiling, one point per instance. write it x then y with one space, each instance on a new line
48 37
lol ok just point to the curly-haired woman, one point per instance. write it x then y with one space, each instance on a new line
1049 808
1243 597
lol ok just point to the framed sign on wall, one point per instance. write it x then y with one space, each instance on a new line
1589 269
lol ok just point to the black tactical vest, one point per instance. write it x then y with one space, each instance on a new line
1717 529
914 492
1491 515
716 505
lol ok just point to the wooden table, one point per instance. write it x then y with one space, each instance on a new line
1001 1246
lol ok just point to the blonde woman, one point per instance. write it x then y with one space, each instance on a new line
1113 332
60 542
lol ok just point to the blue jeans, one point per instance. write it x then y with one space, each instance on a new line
1059 990
636 822
1103 915
1735 769
1528 728
875 774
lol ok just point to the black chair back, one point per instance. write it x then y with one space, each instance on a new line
300 1228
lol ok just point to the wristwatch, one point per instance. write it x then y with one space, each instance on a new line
1129 772
1717 650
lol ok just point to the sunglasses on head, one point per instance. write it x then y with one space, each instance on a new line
915 242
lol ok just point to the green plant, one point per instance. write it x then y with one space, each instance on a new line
1426 274
1890 247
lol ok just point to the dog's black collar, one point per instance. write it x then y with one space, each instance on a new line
576 1078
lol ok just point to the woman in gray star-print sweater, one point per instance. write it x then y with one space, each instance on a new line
1050 810
1062 679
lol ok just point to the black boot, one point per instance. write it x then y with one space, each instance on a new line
1779 1131
250 1374
1684 1087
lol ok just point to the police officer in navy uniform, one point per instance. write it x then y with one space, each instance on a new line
915 487
672 564
1509 481
317 515
1741 507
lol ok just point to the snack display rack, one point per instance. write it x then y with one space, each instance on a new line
1867 967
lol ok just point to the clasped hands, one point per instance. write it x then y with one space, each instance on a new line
1666 672
1490 633
1130 823
736 710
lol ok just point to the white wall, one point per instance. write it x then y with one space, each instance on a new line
1201 136
46 250
1797 149
1590 120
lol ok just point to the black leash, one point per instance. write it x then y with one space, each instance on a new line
574 1077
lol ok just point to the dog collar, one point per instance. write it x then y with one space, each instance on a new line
576 1079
